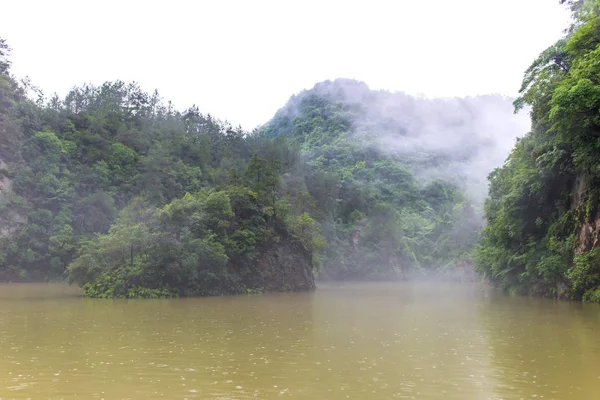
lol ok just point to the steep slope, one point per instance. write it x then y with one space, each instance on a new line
15 110
543 209
398 181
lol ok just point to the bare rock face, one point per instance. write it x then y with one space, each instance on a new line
589 232
589 235
286 266
9 219
5 181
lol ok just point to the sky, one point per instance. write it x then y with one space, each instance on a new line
241 60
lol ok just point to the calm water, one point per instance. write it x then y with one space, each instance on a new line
351 341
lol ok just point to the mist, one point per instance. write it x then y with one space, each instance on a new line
456 139
472 136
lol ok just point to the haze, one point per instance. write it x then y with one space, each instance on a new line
241 60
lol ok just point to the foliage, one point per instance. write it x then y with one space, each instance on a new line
543 203
119 192
382 218
127 197
191 246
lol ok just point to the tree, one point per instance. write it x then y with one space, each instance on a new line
543 201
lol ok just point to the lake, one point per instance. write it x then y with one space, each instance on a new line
344 341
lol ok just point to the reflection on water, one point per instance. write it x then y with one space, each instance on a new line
344 341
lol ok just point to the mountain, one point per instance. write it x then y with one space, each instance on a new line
398 180
117 191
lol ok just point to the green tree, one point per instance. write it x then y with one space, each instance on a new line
542 207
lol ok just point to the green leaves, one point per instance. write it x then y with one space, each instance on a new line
361 160
551 64
206 208
543 202
4 53
305 230
204 243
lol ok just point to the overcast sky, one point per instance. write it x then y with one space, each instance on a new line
241 60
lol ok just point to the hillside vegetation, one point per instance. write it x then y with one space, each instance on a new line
116 190
398 181
543 214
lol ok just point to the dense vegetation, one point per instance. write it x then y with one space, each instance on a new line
129 197
401 177
119 192
543 215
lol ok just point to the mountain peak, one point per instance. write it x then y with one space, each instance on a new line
348 90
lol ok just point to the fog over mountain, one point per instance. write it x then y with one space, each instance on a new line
457 139
343 183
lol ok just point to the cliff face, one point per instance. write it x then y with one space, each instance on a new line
10 220
286 266
5 181
584 275
583 202
589 235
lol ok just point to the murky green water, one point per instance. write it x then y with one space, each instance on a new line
352 341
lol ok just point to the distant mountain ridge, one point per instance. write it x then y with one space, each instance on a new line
470 136
117 191
421 163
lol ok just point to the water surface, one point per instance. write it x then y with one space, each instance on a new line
344 341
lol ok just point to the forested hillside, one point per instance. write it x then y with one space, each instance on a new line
117 191
404 177
543 215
